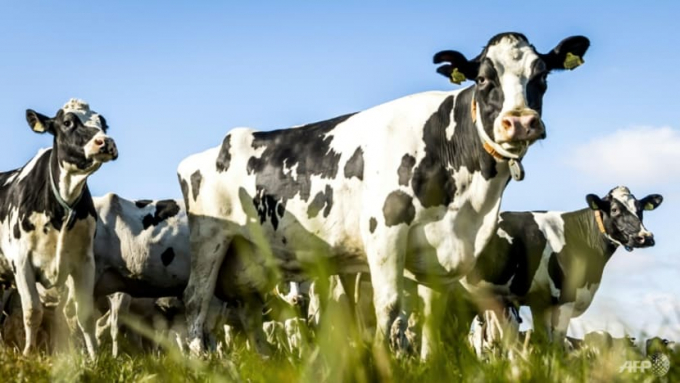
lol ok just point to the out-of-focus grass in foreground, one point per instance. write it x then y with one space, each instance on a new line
331 360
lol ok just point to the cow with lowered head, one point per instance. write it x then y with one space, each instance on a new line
47 218
553 261
414 184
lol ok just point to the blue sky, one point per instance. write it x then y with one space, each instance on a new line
173 77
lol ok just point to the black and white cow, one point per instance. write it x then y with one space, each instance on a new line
414 183
141 247
141 253
553 261
47 218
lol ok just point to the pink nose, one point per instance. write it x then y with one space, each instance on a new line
522 127
99 142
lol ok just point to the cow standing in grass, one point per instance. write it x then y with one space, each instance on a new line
553 261
414 184
47 218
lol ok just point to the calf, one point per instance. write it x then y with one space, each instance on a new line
47 218
553 261
412 184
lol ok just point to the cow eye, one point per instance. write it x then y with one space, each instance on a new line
481 80
615 210
68 124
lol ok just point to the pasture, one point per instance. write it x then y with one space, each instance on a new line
339 192
332 353
331 360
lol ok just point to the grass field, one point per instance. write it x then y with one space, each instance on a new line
335 354
332 358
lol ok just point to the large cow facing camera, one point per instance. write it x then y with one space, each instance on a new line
47 218
413 184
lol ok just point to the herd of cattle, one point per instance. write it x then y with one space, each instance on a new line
390 212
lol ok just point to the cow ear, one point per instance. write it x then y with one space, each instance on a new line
568 54
651 202
594 202
39 123
459 69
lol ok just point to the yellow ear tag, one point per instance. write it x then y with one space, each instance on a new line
457 77
38 127
649 206
572 61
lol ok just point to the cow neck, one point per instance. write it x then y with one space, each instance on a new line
597 214
463 147
582 226
70 189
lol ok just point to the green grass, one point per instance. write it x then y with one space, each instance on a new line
333 356
332 360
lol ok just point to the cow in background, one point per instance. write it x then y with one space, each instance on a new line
141 247
553 261
142 264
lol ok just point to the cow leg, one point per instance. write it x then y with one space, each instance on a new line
386 263
251 319
103 326
349 285
30 303
502 329
478 335
561 316
433 310
120 304
208 248
229 337
82 288
542 323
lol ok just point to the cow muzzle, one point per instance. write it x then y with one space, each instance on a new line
643 240
518 128
101 149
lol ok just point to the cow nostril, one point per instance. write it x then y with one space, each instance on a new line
506 123
99 142
532 122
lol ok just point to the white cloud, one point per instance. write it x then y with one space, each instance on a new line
638 155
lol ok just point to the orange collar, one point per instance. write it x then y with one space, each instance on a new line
598 219
487 146
493 152
489 149
473 110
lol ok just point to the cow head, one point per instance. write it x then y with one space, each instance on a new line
621 216
80 140
510 80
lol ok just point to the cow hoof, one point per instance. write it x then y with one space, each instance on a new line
399 342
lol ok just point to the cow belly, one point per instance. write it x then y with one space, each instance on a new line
447 249
584 297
